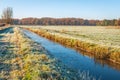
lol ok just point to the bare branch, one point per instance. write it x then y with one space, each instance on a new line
7 15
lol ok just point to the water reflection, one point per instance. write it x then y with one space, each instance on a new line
79 60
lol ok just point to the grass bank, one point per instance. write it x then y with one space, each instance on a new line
97 50
23 59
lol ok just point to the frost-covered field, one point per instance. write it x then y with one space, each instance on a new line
103 42
23 59
98 35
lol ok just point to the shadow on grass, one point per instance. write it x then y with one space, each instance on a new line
1 36
6 51
6 30
5 67
6 56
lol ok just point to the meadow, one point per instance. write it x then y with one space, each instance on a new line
101 42
23 59
97 35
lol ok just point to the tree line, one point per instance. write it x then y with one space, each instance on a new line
7 17
66 21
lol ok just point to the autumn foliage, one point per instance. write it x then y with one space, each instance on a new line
65 21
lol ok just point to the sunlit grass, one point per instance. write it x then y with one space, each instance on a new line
98 35
31 63
101 42
26 60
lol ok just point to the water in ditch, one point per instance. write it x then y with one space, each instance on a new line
75 60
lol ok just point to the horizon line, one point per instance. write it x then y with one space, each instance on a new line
67 17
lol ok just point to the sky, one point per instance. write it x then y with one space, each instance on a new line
87 9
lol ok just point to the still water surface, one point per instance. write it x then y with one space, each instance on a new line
75 60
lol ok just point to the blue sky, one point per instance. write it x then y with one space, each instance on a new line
87 9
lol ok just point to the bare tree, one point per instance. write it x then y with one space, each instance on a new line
7 15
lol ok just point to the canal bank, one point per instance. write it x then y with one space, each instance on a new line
75 60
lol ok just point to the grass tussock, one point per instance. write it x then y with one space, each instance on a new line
97 50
